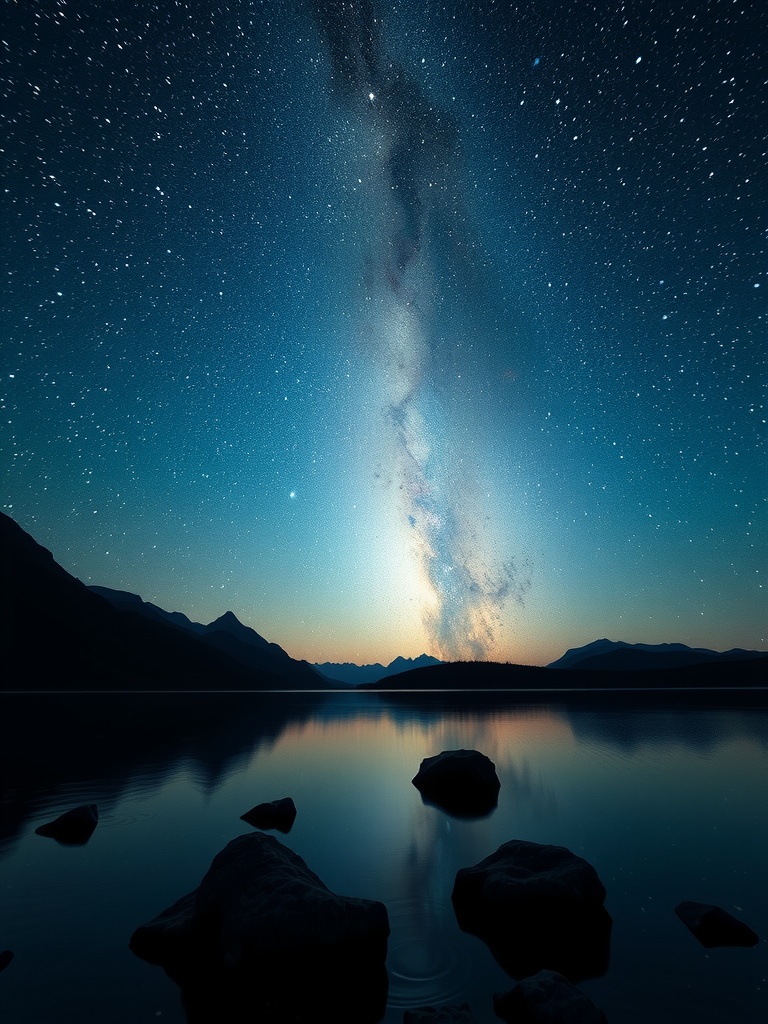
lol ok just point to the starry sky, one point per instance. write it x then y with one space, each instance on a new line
393 327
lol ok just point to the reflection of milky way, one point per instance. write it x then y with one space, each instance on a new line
415 177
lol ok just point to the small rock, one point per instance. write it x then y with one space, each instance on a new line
462 782
277 814
714 926
546 998
73 828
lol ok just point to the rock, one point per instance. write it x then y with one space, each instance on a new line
714 926
74 828
262 898
277 814
462 782
5 958
546 998
172 939
261 927
537 907
439 1015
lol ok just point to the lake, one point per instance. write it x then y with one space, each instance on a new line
667 800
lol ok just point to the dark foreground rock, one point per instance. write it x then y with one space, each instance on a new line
439 1015
714 926
536 907
263 932
277 814
546 998
462 782
5 958
73 828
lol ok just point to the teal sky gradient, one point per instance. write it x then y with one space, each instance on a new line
476 367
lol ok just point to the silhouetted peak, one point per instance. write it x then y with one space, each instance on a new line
229 623
363 675
401 664
57 630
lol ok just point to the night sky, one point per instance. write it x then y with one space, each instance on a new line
393 327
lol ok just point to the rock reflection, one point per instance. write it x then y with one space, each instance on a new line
338 991
576 946
94 746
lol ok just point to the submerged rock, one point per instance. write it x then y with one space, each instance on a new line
439 1015
714 926
536 907
73 828
264 929
546 998
462 782
277 814
5 958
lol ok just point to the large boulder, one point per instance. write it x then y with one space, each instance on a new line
462 782
537 907
277 814
546 998
714 926
262 929
72 828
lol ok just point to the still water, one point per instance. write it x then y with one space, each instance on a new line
669 802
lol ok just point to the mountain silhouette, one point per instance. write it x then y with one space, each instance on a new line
478 676
58 634
227 634
359 675
612 655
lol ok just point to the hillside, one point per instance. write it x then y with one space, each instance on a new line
59 634
479 676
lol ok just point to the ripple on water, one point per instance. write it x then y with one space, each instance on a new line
127 818
425 962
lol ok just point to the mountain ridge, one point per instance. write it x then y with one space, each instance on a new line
488 675
58 634
226 633
618 655
359 675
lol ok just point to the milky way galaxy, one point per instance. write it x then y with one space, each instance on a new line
417 170
393 327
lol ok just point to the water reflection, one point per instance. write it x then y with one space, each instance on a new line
92 747
666 801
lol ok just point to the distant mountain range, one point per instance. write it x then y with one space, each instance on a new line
643 669
615 655
360 675
58 634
